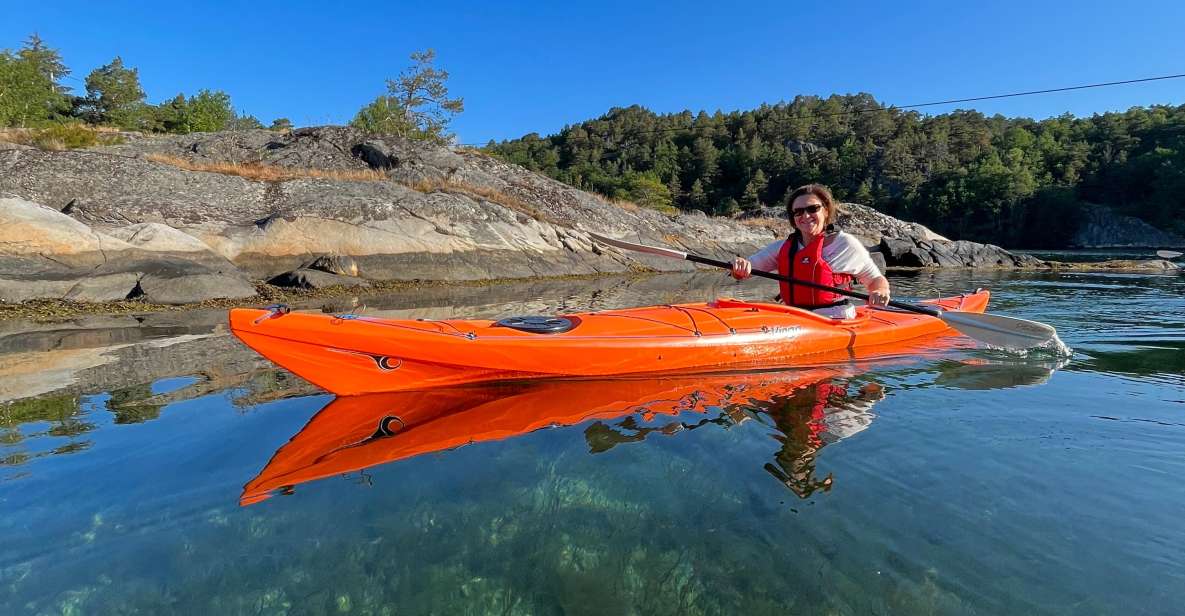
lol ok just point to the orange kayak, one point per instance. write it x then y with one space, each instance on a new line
352 433
352 354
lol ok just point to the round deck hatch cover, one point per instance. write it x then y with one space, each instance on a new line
538 324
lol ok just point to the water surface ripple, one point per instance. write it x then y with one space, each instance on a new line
153 465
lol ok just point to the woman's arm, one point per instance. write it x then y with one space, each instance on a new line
847 255
764 259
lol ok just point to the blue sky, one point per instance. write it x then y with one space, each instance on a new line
534 67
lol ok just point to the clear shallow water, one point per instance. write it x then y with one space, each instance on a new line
959 481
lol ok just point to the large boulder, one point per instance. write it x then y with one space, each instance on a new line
945 253
47 254
191 284
31 230
101 288
904 253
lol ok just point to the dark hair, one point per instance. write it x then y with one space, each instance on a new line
818 190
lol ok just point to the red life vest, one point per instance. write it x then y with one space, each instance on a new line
808 264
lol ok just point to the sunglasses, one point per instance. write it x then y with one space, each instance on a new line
802 211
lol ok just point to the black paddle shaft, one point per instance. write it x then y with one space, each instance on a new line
934 312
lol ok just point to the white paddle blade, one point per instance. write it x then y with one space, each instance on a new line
654 250
1168 254
1003 332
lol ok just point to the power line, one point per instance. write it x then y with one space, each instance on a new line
929 104
1049 91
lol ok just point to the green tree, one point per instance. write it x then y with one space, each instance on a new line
384 115
172 115
30 94
675 189
751 199
416 105
281 124
208 112
697 198
114 96
729 207
46 61
647 190
27 98
706 159
244 122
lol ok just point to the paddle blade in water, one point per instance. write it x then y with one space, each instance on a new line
1003 332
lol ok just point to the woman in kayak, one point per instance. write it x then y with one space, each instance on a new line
818 253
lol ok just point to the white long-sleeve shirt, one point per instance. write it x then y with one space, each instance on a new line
842 251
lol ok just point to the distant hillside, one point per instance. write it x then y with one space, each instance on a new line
1010 181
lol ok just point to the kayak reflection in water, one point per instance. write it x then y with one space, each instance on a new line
807 409
806 420
358 432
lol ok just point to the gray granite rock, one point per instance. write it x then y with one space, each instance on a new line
1104 228
103 287
425 213
342 265
315 279
167 286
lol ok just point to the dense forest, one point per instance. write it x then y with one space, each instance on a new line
1012 181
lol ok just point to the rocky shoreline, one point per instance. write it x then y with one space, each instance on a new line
255 216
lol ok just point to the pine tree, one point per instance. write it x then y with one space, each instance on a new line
416 104
696 197
27 97
114 96
675 188
47 61
29 91
751 199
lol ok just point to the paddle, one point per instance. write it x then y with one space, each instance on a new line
1168 254
995 330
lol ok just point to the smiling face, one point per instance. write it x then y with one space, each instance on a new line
810 223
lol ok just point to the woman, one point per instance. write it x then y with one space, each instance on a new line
817 253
